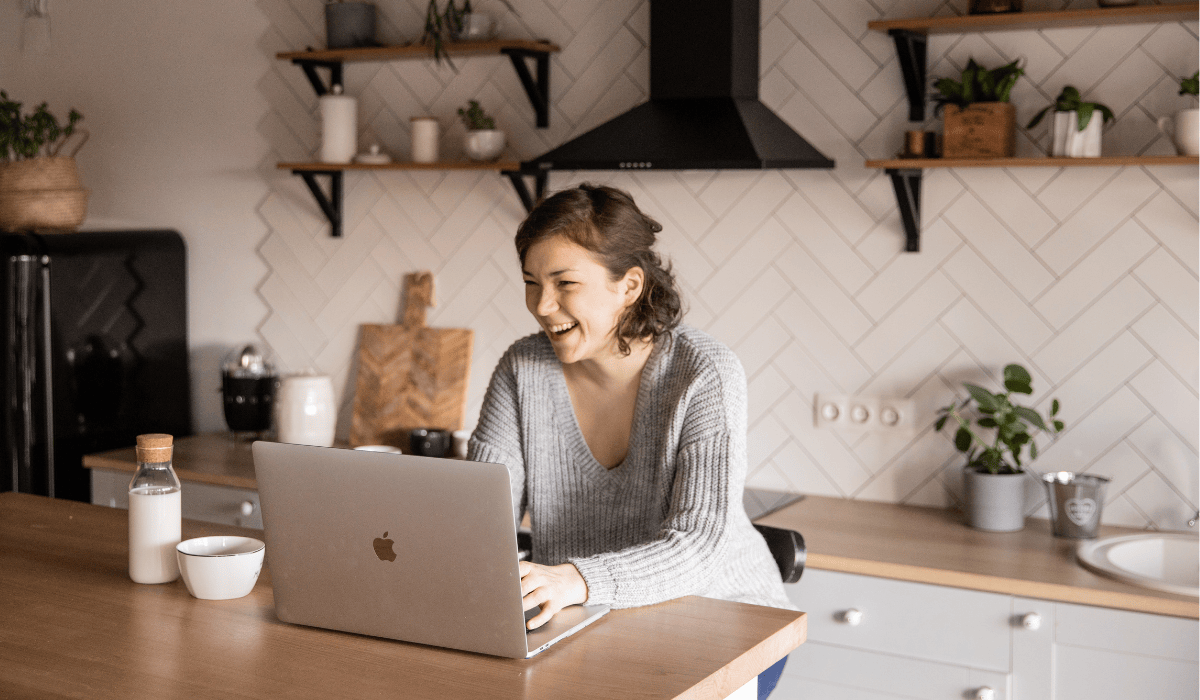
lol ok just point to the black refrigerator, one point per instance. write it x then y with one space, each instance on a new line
96 333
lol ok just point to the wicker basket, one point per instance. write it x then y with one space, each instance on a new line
47 173
42 210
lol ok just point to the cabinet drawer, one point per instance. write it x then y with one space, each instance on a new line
829 672
226 505
1096 674
1127 632
937 623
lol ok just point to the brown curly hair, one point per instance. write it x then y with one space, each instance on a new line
607 222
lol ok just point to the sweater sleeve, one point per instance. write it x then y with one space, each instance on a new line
687 554
497 436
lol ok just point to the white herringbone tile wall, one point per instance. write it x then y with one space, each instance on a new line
1088 276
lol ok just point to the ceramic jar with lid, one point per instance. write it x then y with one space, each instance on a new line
305 410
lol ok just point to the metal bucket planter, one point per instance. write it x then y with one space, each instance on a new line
995 502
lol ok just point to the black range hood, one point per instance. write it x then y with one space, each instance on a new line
703 111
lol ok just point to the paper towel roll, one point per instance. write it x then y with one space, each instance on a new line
339 122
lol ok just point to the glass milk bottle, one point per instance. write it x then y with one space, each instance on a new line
154 512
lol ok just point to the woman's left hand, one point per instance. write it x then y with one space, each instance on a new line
552 587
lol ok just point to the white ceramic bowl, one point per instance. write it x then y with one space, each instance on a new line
220 568
379 448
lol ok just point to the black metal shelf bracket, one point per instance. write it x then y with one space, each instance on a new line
331 205
907 184
910 49
518 181
538 90
310 70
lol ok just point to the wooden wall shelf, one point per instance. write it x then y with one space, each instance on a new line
331 203
537 88
1040 162
1013 21
910 37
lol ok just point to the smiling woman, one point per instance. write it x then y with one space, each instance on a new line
624 431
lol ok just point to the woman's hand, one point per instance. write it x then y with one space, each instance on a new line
552 587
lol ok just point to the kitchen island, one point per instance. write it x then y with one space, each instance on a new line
72 624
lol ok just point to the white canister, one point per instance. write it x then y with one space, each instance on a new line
1183 130
305 411
424 140
1070 142
339 124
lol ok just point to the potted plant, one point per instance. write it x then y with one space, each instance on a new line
993 478
456 24
979 121
1076 134
1184 129
39 188
484 142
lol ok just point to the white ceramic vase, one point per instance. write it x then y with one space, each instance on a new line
1070 142
484 144
1183 130
305 411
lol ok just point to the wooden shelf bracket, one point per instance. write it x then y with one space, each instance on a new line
310 71
538 90
907 184
331 205
517 177
910 50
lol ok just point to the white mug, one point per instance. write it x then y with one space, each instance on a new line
305 411
1183 130
424 140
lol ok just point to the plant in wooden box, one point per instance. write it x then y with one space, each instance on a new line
1184 128
39 189
993 478
1076 133
979 121
484 142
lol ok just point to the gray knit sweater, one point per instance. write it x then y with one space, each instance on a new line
666 522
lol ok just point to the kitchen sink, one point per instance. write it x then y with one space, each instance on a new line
1163 561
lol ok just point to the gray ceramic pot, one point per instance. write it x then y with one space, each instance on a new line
349 25
995 502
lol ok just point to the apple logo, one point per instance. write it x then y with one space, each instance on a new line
383 548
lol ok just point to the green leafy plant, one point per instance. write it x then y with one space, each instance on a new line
38 134
1011 423
444 27
978 84
1069 101
475 118
1190 86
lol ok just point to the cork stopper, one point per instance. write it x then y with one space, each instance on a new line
154 447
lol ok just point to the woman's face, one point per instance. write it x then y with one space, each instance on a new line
570 294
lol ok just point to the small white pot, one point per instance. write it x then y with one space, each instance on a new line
484 144
1070 142
305 412
1183 130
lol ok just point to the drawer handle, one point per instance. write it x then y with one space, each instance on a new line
1032 621
247 508
985 693
852 617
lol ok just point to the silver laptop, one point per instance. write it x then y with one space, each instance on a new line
412 548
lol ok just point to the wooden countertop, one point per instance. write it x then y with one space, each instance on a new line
926 545
932 545
214 458
72 624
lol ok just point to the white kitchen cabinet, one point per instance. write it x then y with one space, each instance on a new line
915 640
226 505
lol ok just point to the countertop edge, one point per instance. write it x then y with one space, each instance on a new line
738 672
1007 586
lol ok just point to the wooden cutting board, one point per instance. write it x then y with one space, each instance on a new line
410 375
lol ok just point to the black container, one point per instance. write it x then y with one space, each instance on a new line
428 442
349 25
249 402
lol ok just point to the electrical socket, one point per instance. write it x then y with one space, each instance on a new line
863 413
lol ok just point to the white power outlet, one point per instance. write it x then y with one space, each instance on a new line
863 413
